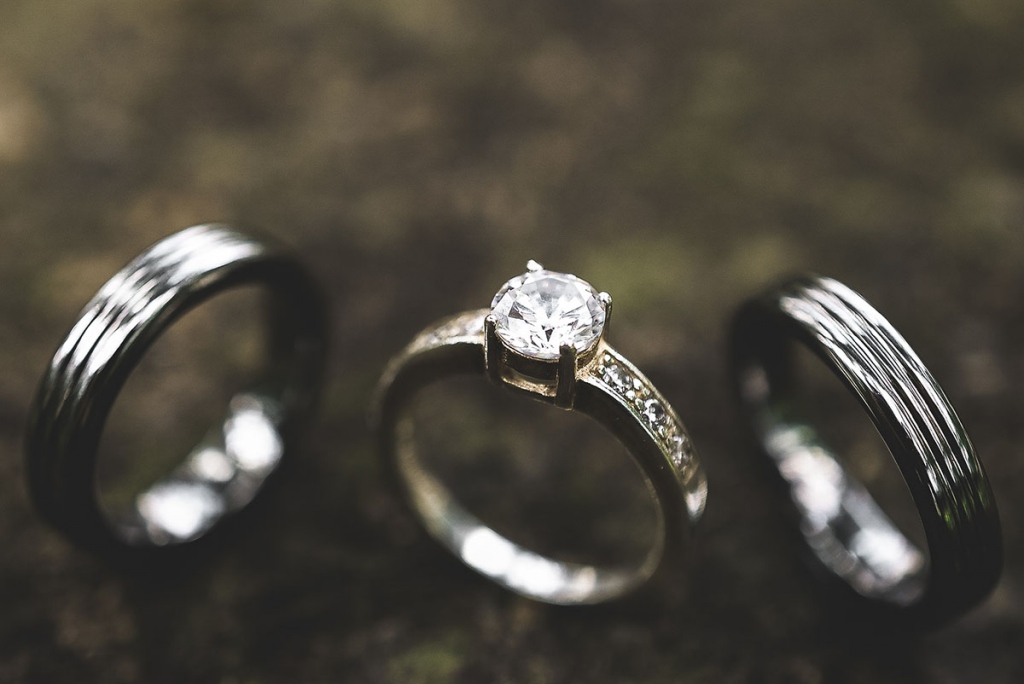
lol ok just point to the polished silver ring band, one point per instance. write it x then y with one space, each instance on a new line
222 474
580 374
848 533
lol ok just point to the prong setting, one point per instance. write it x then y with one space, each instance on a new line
565 384
543 327
606 299
492 349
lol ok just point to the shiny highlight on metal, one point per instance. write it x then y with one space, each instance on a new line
224 472
601 384
848 533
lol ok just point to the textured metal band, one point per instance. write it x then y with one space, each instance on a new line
225 472
844 527
610 390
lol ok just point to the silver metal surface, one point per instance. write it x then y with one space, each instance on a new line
847 532
600 384
226 471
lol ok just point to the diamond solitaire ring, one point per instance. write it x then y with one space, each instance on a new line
544 336
849 535
257 429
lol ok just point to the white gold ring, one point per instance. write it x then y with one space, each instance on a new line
544 336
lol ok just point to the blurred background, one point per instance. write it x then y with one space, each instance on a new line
415 153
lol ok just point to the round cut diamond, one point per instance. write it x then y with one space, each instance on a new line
654 412
538 312
619 379
679 450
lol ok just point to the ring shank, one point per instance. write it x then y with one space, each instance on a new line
846 530
226 471
497 557
456 347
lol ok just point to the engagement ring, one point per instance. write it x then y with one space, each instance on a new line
544 336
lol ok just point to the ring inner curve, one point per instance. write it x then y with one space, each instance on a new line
841 522
501 559
222 474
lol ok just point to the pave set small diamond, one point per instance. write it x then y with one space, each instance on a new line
649 406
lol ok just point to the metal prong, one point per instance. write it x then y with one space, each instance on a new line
492 349
532 266
565 390
606 299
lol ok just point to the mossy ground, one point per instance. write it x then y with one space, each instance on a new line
416 153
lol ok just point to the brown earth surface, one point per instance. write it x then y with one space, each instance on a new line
415 153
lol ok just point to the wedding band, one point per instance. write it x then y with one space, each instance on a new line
848 533
544 336
224 473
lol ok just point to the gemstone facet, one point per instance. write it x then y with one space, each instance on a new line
655 414
679 450
538 312
619 379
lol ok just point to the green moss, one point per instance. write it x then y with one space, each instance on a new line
431 661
